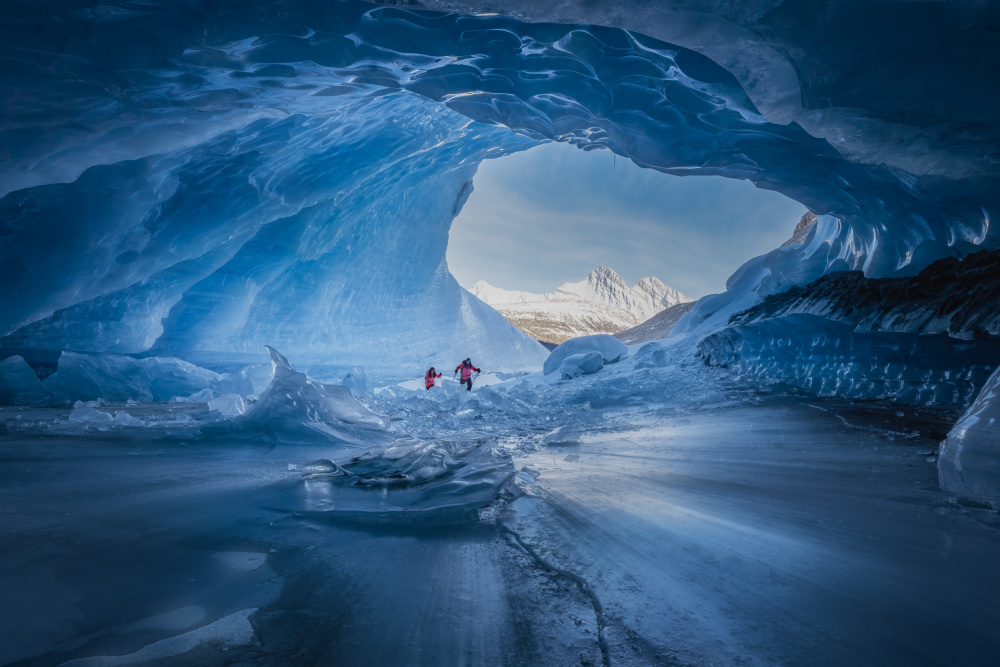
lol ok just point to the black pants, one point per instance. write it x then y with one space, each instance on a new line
467 382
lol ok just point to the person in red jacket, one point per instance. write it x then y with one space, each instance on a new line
429 378
466 367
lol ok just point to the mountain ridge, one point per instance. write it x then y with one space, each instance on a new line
600 303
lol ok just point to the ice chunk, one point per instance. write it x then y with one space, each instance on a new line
202 396
440 479
293 403
230 405
321 467
19 385
610 348
123 418
581 364
469 410
87 412
357 381
252 380
969 460
567 434
652 355
117 378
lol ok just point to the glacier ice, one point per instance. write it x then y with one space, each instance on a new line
19 385
651 355
969 460
230 405
410 479
235 231
828 358
610 348
583 363
183 183
567 434
294 406
119 378
88 412
357 381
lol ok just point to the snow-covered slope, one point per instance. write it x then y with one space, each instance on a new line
604 286
600 303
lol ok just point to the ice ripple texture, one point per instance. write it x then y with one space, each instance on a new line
292 175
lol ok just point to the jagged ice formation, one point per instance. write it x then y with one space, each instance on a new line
195 181
198 181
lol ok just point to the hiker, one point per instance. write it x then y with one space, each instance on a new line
429 378
466 367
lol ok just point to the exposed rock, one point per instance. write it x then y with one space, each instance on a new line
961 298
657 327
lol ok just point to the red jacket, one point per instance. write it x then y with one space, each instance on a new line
466 370
429 379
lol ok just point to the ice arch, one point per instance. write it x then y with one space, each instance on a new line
200 179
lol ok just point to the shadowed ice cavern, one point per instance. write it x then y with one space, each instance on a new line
223 237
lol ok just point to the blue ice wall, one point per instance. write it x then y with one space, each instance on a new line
325 236
199 179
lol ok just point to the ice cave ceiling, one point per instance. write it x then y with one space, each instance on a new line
196 177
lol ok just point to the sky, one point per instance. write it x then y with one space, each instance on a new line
549 215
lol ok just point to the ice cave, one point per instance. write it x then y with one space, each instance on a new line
223 231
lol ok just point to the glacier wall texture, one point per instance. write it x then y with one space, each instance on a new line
825 358
193 179
969 460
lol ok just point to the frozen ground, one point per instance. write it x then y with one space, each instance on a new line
709 525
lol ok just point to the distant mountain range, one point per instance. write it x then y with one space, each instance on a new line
600 303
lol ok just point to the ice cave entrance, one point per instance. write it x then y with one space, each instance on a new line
549 215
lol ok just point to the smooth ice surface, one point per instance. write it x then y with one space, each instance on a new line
969 462
610 348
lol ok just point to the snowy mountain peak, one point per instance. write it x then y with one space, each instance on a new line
600 303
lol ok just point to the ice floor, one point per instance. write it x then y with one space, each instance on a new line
750 529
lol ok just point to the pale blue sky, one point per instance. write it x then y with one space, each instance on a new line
546 216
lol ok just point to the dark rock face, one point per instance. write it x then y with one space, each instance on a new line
929 339
961 298
657 327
